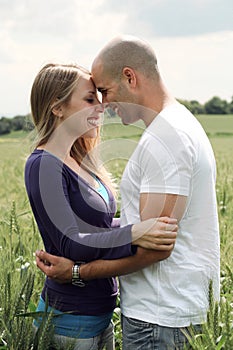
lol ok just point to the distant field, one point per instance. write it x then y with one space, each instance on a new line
217 124
220 132
15 147
219 129
214 125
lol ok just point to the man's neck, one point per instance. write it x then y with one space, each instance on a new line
156 108
155 97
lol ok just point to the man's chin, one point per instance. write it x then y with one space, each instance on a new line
125 123
124 119
127 120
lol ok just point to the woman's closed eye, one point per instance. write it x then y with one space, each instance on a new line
90 100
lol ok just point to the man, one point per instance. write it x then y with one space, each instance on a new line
171 172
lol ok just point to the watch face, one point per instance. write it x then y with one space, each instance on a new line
78 283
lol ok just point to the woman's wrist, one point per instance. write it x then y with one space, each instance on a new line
140 228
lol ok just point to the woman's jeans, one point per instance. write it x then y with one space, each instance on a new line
103 341
139 335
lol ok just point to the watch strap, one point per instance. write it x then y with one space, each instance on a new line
76 278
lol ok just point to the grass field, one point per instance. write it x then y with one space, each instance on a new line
19 237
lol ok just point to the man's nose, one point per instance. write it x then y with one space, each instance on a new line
104 100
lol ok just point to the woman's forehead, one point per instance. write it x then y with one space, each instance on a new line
85 82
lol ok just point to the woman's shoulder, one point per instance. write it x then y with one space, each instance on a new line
43 161
39 155
34 158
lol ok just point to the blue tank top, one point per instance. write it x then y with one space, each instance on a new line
102 189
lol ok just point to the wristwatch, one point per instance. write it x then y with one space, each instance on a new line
76 278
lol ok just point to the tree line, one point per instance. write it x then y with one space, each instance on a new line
19 122
214 106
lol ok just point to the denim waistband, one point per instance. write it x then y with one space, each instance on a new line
74 326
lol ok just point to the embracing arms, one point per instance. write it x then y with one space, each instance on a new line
61 225
61 268
155 237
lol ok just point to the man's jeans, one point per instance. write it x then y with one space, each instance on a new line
139 335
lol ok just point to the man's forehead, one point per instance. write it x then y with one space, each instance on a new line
100 81
97 63
96 77
97 71
97 83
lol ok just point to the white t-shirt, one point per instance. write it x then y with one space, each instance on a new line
174 156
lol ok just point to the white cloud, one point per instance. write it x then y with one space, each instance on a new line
34 32
197 67
176 17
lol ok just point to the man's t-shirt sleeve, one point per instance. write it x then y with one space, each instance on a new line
166 164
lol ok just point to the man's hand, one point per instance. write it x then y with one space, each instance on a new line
55 267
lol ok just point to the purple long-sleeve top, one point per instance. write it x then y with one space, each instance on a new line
75 222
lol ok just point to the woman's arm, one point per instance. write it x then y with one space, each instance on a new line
63 231
48 192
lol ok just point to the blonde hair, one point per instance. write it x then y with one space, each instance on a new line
53 86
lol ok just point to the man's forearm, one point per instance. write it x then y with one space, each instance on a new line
110 268
60 269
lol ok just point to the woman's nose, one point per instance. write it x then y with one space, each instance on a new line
100 107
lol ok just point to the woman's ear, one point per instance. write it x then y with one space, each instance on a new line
130 76
57 111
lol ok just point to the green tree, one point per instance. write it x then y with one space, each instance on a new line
28 125
216 106
186 103
5 126
18 122
197 107
194 106
230 106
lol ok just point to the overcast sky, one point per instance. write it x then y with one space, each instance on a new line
193 40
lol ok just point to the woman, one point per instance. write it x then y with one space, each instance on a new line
72 199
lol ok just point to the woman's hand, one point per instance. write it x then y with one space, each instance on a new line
155 234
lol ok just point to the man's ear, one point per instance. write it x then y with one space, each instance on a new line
130 76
